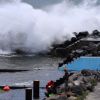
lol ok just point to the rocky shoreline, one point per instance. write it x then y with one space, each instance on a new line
79 85
94 95
83 43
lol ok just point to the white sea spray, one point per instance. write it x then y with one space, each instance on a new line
34 30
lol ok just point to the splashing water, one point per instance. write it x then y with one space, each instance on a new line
34 30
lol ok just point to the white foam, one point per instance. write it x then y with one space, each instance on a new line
33 30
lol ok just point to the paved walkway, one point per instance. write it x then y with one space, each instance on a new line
94 95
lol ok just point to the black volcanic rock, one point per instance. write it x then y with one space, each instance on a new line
19 51
82 34
83 41
73 39
61 52
96 33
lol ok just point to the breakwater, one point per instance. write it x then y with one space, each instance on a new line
79 85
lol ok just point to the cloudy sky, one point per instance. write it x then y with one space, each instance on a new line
41 3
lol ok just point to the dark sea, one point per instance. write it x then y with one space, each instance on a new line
42 68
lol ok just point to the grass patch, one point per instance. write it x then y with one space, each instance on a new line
1 90
93 82
83 96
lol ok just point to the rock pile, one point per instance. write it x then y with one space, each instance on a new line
83 43
79 84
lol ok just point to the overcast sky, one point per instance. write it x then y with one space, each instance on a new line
41 3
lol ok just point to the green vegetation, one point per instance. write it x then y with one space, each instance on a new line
85 93
83 96
1 91
93 82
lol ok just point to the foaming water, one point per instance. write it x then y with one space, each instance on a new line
34 30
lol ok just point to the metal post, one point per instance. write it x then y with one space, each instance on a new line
36 84
28 94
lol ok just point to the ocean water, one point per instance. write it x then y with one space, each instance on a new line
42 68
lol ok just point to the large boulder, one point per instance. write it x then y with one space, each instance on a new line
96 33
63 97
86 72
77 90
82 34
19 51
61 52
